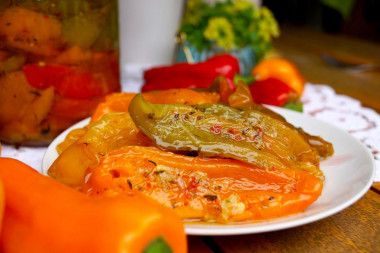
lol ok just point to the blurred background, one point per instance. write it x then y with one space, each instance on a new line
356 18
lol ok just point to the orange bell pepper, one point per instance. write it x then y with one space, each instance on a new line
42 215
281 69
2 202
204 188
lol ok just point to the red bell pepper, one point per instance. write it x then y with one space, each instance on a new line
272 91
42 76
68 81
185 75
281 69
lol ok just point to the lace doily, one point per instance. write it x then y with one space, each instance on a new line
320 101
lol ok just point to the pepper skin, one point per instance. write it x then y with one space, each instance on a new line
244 134
119 102
2 202
224 86
242 96
185 75
111 128
209 189
112 131
281 69
272 91
42 215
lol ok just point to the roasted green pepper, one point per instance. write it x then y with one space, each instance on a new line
323 147
247 134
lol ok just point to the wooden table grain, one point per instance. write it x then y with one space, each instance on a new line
357 228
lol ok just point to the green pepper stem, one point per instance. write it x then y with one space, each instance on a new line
158 245
246 79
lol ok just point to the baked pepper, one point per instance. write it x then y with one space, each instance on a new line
185 75
209 189
241 97
224 86
244 134
71 82
42 215
112 131
112 128
30 31
119 102
23 109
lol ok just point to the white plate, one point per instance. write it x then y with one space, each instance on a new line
349 174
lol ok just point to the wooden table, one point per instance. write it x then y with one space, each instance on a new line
357 228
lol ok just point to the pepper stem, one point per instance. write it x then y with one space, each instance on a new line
159 245
246 79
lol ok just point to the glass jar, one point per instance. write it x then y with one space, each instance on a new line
58 59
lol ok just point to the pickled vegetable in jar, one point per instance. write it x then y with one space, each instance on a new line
58 59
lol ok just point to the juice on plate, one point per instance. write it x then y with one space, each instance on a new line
58 59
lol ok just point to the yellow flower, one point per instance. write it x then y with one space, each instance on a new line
256 14
193 12
220 30
266 13
267 25
241 5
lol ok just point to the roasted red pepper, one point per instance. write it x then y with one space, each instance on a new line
184 75
272 91
70 82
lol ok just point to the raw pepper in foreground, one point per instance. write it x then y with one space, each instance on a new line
42 215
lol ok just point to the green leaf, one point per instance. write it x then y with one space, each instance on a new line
158 246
